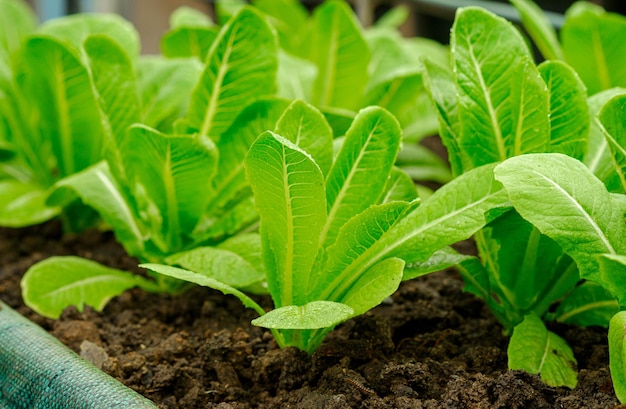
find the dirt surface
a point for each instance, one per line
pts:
(430, 346)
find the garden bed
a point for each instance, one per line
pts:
(430, 346)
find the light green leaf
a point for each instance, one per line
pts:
(76, 28)
(114, 79)
(306, 127)
(205, 281)
(51, 285)
(376, 284)
(588, 304)
(332, 277)
(313, 315)
(536, 350)
(599, 156)
(229, 183)
(566, 202)
(227, 9)
(399, 187)
(442, 259)
(16, 21)
(172, 172)
(248, 247)
(290, 18)
(503, 103)
(295, 77)
(241, 67)
(185, 41)
(24, 204)
(289, 194)
(539, 28)
(61, 89)
(341, 55)
(593, 46)
(613, 275)
(442, 88)
(189, 17)
(612, 120)
(569, 113)
(164, 88)
(453, 213)
(617, 354)
(361, 169)
(98, 189)
(218, 264)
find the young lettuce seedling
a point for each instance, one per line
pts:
(335, 242)
(495, 103)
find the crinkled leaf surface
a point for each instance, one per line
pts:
(536, 350)
(114, 78)
(569, 112)
(173, 173)
(306, 127)
(222, 265)
(241, 67)
(289, 194)
(341, 55)
(51, 285)
(503, 103)
(441, 85)
(361, 169)
(62, 93)
(332, 279)
(313, 315)
(593, 46)
(453, 213)
(229, 183)
(565, 201)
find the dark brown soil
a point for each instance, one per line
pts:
(430, 346)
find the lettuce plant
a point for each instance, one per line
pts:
(163, 193)
(336, 234)
(62, 104)
(327, 59)
(495, 103)
(566, 201)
